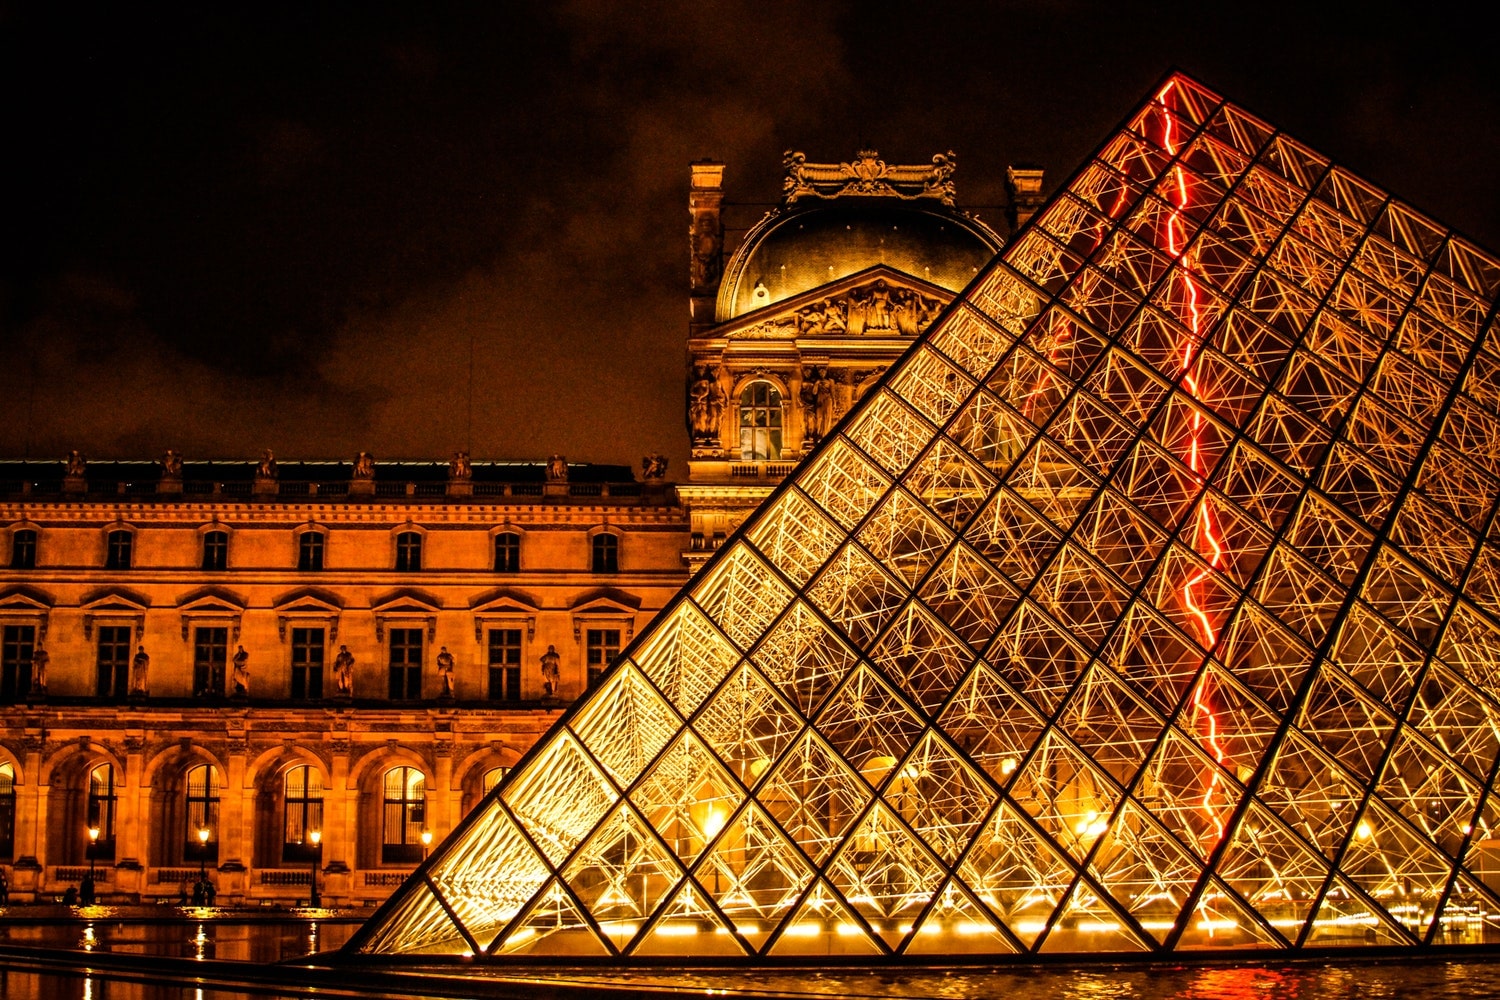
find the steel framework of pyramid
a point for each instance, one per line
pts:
(1151, 603)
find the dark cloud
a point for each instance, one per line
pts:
(230, 230)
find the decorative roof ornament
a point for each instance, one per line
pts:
(1149, 604)
(868, 176)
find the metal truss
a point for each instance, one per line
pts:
(1151, 604)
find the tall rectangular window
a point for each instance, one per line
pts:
(408, 552)
(23, 549)
(602, 646)
(505, 664)
(406, 664)
(508, 552)
(216, 550)
(15, 661)
(302, 813)
(307, 663)
(113, 674)
(118, 550)
(606, 554)
(210, 655)
(310, 550)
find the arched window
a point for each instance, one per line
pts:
(202, 814)
(310, 551)
(405, 811)
(493, 777)
(760, 422)
(23, 549)
(101, 810)
(606, 552)
(302, 813)
(216, 550)
(508, 552)
(7, 811)
(118, 550)
(408, 552)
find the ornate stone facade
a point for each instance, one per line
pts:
(135, 599)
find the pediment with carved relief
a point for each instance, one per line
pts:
(879, 301)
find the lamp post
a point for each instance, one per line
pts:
(203, 855)
(426, 843)
(316, 836)
(93, 843)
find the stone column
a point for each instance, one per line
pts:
(340, 851)
(31, 825)
(442, 799)
(706, 241)
(236, 826)
(132, 827)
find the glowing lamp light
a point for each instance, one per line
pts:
(804, 929)
(1008, 766)
(677, 930)
(1363, 831)
(203, 836)
(316, 837)
(426, 838)
(93, 835)
(713, 824)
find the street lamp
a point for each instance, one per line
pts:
(316, 836)
(203, 856)
(93, 843)
(426, 843)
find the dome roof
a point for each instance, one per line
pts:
(792, 251)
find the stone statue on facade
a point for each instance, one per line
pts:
(818, 404)
(705, 246)
(445, 672)
(240, 678)
(267, 467)
(460, 470)
(906, 312)
(654, 467)
(39, 660)
(171, 464)
(76, 466)
(557, 469)
(551, 672)
(698, 405)
(343, 673)
(878, 307)
(140, 673)
(364, 466)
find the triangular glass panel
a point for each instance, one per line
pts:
(814, 796)
(1147, 872)
(1088, 924)
(1220, 921)
(626, 724)
(940, 796)
(795, 536)
(992, 724)
(621, 874)
(553, 925)
(1348, 920)
(1017, 873)
(688, 928)
(687, 797)
(957, 925)
(559, 795)
(755, 874)
(885, 874)
(823, 925)
(748, 725)
(1274, 870)
(686, 656)
(418, 925)
(803, 657)
(869, 724)
(488, 874)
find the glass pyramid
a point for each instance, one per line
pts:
(1152, 603)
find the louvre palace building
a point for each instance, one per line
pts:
(264, 667)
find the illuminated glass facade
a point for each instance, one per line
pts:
(1151, 603)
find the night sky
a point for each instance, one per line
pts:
(227, 229)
